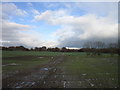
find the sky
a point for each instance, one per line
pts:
(58, 24)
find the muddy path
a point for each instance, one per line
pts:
(43, 76)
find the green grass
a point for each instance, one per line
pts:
(104, 68)
(91, 64)
(25, 63)
(24, 53)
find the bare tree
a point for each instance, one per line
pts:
(87, 46)
(98, 45)
(113, 48)
(93, 48)
(64, 49)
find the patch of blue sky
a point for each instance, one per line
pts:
(22, 20)
(46, 30)
(78, 12)
(22, 5)
(41, 27)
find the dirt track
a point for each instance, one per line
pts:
(45, 76)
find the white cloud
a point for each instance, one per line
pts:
(10, 9)
(50, 16)
(76, 30)
(35, 12)
(18, 34)
(11, 31)
(43, 16)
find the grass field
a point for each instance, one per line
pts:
(25, 59)
(90, 71)
(99, 71)
(24, 53)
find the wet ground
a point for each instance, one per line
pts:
(50, 75)
(47, 75)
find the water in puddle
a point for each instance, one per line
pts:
(40, 57)
(18, 87)
(45, 69)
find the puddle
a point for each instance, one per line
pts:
(18, 87)
(33, 83)
(45, 69)
(54, 70)
(84, 74)
(52, 57)
(63, 76)
(91, 84)
(64, 84)
(44, 82)
(24, 84)
(11, 64)
(40, 57)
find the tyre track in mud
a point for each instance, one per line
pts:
(38, 78)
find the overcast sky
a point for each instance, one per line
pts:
(58, 24)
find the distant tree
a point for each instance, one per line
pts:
(31, 49)
(49, 49)
(20, 48)
(98, 46)
(80, 50)
(87, 47)
(4, 48)
(0, 47)
(11, 48)
(44, 48)
(63, 49)
(36, 49)
(57, 49)
(113, 48)
(93, 48)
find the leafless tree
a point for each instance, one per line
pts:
(113, 48)
(94, 48)
(87, 47)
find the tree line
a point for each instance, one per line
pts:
(91, 48)
(97, 48)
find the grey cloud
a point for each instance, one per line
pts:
(76, 42)
(76, 30)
